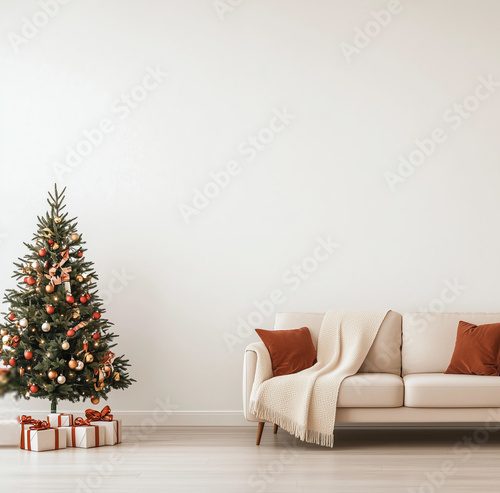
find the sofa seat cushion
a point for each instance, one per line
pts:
(371, 390)
(445, 390)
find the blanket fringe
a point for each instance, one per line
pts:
(302, 433)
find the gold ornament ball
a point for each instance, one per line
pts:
(75, 236)
(116, 377)
(79, 278)
(89, 358)
(65, 345)
(52, 374)
(58, 219)
(49, 288)
(95, 400)
(55, 246)
(72, 363)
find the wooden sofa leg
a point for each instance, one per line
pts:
(275, 429)
(260, 429)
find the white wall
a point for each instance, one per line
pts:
(322, 176)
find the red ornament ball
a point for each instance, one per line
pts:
(12, 362)
(70, 333)
(96, 336)
(50, 309)
(33, 389)
(50, 242)
(96, 315)
(79, 253)
(30, 281)
(70, 299)
(12, 317)
(42, 252)
(83, 299)
(28, 354)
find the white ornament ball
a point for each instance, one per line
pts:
(5, 339)
(61, 379)
(65, 345)
(79, 365)
(46, 327)
(23, 322)
(35, 264)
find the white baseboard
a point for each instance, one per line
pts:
(170, 418)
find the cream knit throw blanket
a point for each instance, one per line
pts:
(305, 403)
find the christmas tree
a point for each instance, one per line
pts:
(56, 343)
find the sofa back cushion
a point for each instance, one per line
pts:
(429, 339)
(383, 357)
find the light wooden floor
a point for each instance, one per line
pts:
(227, 460)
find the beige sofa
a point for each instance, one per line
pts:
(402, 380)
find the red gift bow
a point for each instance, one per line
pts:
(40, 425)
(81, 422)
(27, 420)
(104, 415)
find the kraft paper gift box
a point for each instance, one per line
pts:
(84, 436)
(9, 432)
(40, 440)
(56, 420)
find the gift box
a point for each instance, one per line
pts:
(56, 420)
(25, 422)
(9, 432)
(111, 429)
(83, 435)
(40, 437)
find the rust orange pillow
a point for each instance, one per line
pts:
(291, 350)
(477, 350)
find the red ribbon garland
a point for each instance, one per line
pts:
(104, 415)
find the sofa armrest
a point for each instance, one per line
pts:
(257, 368)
